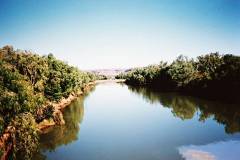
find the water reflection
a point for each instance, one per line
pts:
(185, 107)
(119, 129)
(62, 135)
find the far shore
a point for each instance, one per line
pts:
(110, 81)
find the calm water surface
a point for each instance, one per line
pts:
(118, 122)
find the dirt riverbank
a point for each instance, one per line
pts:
(6, 144)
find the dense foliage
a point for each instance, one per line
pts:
(25, 136)
(28, 82)
(211, 75)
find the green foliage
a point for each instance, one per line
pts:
(1, 125)
(27, 83)
(208, 64)
(181, 71)
(44, 113)
(208, 75)
(64, 79)
(101, 77)
(24, 135)
(142, 76)
(230, 68)
(17, 94)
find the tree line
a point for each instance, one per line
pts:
(211, 75)
(28, 82)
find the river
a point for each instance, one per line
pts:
(118, 122)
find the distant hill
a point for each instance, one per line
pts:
(111, 73)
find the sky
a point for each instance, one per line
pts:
(101, 34)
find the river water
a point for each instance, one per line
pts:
(118, 122)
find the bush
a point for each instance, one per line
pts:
(24, 135)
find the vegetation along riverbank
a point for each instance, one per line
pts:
(212, 76)
(34, 89)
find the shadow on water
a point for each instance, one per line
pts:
(185, 107)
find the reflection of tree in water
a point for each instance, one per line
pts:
(227, 114)
(182, 106)
(185, 107)
(62, 135)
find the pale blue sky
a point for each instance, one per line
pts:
(94, 34)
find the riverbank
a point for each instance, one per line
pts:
(59, 107)
(29, 83)
(110, 81)
(5, 140)
(213, 76)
